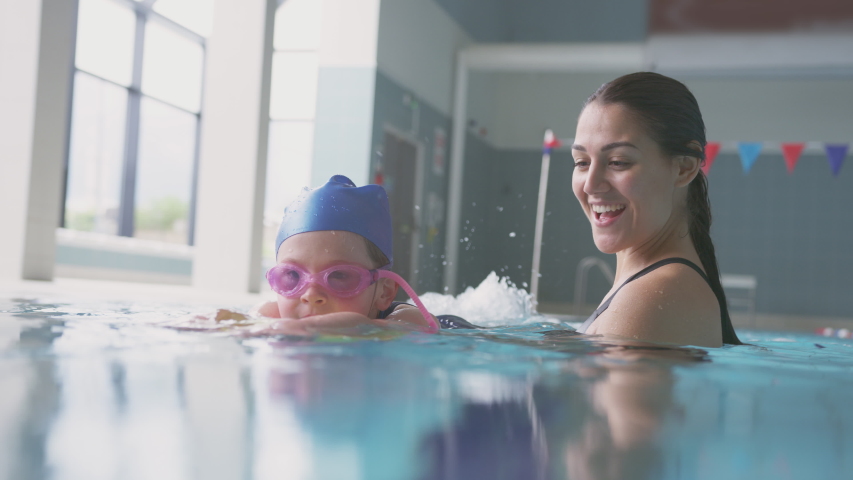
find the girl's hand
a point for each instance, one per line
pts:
(267, 309)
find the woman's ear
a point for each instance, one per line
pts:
(386, 291)
(688, 166)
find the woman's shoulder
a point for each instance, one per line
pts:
(672, 303)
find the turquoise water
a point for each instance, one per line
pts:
(114, 391)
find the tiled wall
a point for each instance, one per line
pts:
(389, 110)
(794, 232)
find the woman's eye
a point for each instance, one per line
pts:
(580, 163)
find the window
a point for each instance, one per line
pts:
(135, 115)
(293, 100)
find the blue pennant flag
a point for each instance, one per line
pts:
(835, 153)
(748, 154)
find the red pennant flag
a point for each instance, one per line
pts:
(792, 152)
(711, 151)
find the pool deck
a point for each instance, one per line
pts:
(101, 290)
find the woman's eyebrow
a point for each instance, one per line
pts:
(609, 146)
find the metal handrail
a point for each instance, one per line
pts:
(581, 277)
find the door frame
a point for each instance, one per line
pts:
(417, 214)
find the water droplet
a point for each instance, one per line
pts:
(512, 234)
(417, 207)
(465, 239)
(524, 284)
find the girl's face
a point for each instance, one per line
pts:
(317, 251)
(624, 183)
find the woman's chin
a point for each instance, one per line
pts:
(606, 245)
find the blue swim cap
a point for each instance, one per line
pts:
(340, 205)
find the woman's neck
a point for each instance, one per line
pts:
(672, 241)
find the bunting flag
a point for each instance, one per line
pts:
(836, 152)
(792, 152)
(711, 151)
(748, 154)
(550, 142)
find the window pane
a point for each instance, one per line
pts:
(172, 67)
(196, 15)
(294, 86)
(164, 172)
(96, 155)
(297, 25)
(288, 171)
(105, 33)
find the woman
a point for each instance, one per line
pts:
(638, 153)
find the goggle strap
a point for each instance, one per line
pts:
(433, 326)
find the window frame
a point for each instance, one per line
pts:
(144, 12)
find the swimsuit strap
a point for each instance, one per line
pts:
(601, 308)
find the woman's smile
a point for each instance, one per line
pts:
(606, 214)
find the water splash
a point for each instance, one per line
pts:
(495, 302)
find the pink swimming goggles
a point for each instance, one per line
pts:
(343, 281)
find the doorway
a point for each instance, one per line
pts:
(401, 172)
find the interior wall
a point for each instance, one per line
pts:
(417, 45)
(789, 230)
(390, 111)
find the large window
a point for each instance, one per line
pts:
(135, 117)
(293, 100)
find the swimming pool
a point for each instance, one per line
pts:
(106, 390)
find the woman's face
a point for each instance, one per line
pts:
(624, 183)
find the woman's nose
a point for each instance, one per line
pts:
(595, 180)
(314, 295)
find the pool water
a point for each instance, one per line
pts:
(106, 390)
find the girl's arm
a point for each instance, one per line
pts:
(408, 317)
(267, 309)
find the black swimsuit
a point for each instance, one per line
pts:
(446, 321)
(598, 311)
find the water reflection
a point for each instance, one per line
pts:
(107, 392)
(599, 417)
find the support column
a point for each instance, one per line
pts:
(37, 39)
(346, 90)
(233, 150)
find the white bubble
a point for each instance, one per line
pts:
(496, 301)
(512, 234)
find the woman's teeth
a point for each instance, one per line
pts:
(606, 208)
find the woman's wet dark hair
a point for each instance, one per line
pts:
(672, 118)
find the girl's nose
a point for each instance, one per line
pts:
(314, 295)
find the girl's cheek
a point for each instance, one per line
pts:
(286, 307)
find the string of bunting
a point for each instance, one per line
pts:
(836, 153)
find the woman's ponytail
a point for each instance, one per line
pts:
(699, 208)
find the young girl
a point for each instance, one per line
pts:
(333, 252)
